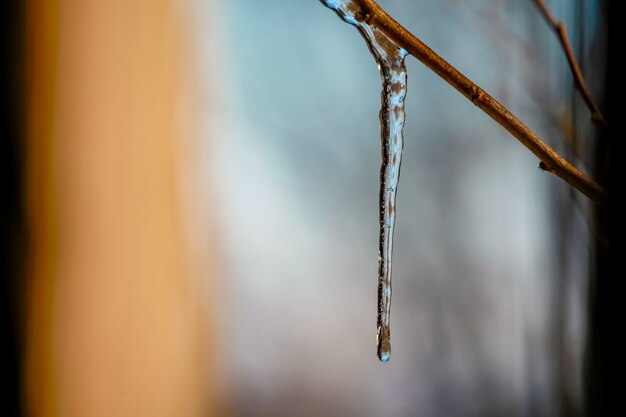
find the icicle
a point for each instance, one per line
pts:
(390, 59)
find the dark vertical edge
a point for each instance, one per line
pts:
(604, 378)
(12, 225)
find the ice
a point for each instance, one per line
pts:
(390, 59)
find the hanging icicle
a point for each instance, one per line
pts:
(390, 59)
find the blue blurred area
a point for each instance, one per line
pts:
(477, 241)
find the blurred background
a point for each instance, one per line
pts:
(190, 196)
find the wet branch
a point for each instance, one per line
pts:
(551, 161)
(579, 79)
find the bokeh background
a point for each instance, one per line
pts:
(193, 227)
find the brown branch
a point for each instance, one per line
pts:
(579, 79)
(550, 160)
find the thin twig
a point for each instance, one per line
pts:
(579, 79)
(550, 160)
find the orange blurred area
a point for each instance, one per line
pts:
(118, 320)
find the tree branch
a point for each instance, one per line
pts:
(579, 79)
(551, 161)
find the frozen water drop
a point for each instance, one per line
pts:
(383, 346)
